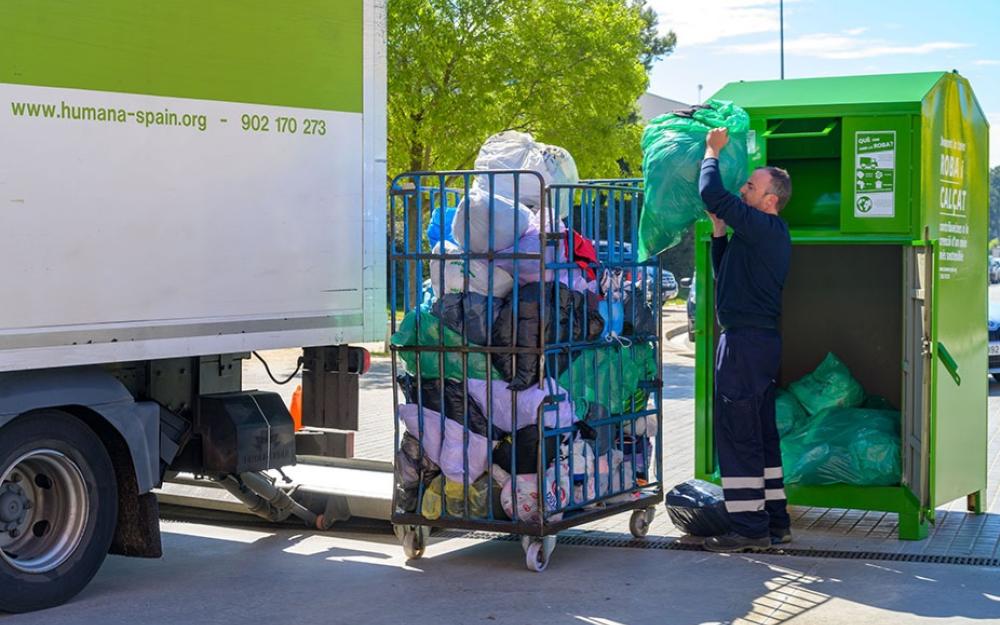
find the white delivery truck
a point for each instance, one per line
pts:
(181, 183)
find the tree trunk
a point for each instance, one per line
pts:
(414, 268)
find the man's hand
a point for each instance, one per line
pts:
(717, 139)
(718, 225)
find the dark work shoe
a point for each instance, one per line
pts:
(781, 536)
(731, 542)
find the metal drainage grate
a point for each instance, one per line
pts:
(665, 543)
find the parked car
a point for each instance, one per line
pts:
(688, 283)
(668, 283)
(993, 349)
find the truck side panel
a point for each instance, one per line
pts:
(188, 182)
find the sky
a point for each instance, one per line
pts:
(720, 41)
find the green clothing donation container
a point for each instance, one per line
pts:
(888, 220)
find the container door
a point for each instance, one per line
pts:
(955, 191)
(917, 372)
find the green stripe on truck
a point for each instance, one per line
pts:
(306, 53)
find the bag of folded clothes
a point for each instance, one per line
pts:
(698, 508)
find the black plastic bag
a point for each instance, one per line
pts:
(527, 451)
(698, 508)
(571, 310)
(467, 314)
(454, 402)
(411, 468)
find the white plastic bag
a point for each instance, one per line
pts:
(454, 275)
(505, 213)
(518, 150)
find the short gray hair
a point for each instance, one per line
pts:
(781, 185)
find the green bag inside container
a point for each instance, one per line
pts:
(788, 411)
(610, 377)
(429, 334)
(673, 146)
(830, 385)
(858, 446)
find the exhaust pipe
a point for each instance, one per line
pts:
(266, 500)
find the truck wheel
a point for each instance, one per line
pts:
(58, 509)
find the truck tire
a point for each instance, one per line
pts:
(58, 509)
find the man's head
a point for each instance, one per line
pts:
(768, 189)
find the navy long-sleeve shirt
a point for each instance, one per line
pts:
(751, 267)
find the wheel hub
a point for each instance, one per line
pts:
(13, 505)
(43, 511)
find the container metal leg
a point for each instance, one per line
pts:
(974, 502)
(912, 525)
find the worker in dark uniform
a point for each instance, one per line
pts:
(750, 269)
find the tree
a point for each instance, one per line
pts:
(995, 202)
(567, 71)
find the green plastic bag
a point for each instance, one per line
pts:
(858, 446)
(830, 385)
(673, 146)
(789, 413)
(430, 328)
(610, 377)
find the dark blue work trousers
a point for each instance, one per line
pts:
(746, 434)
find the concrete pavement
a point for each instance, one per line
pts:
(240, 575)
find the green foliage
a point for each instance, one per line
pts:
(567, 71)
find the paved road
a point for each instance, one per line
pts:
(226, 575)
(215, 575)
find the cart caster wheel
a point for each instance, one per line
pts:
(414, 539)
(640, 522)
(535, 557)
(538, 552)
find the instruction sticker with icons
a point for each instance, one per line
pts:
(875, 173)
